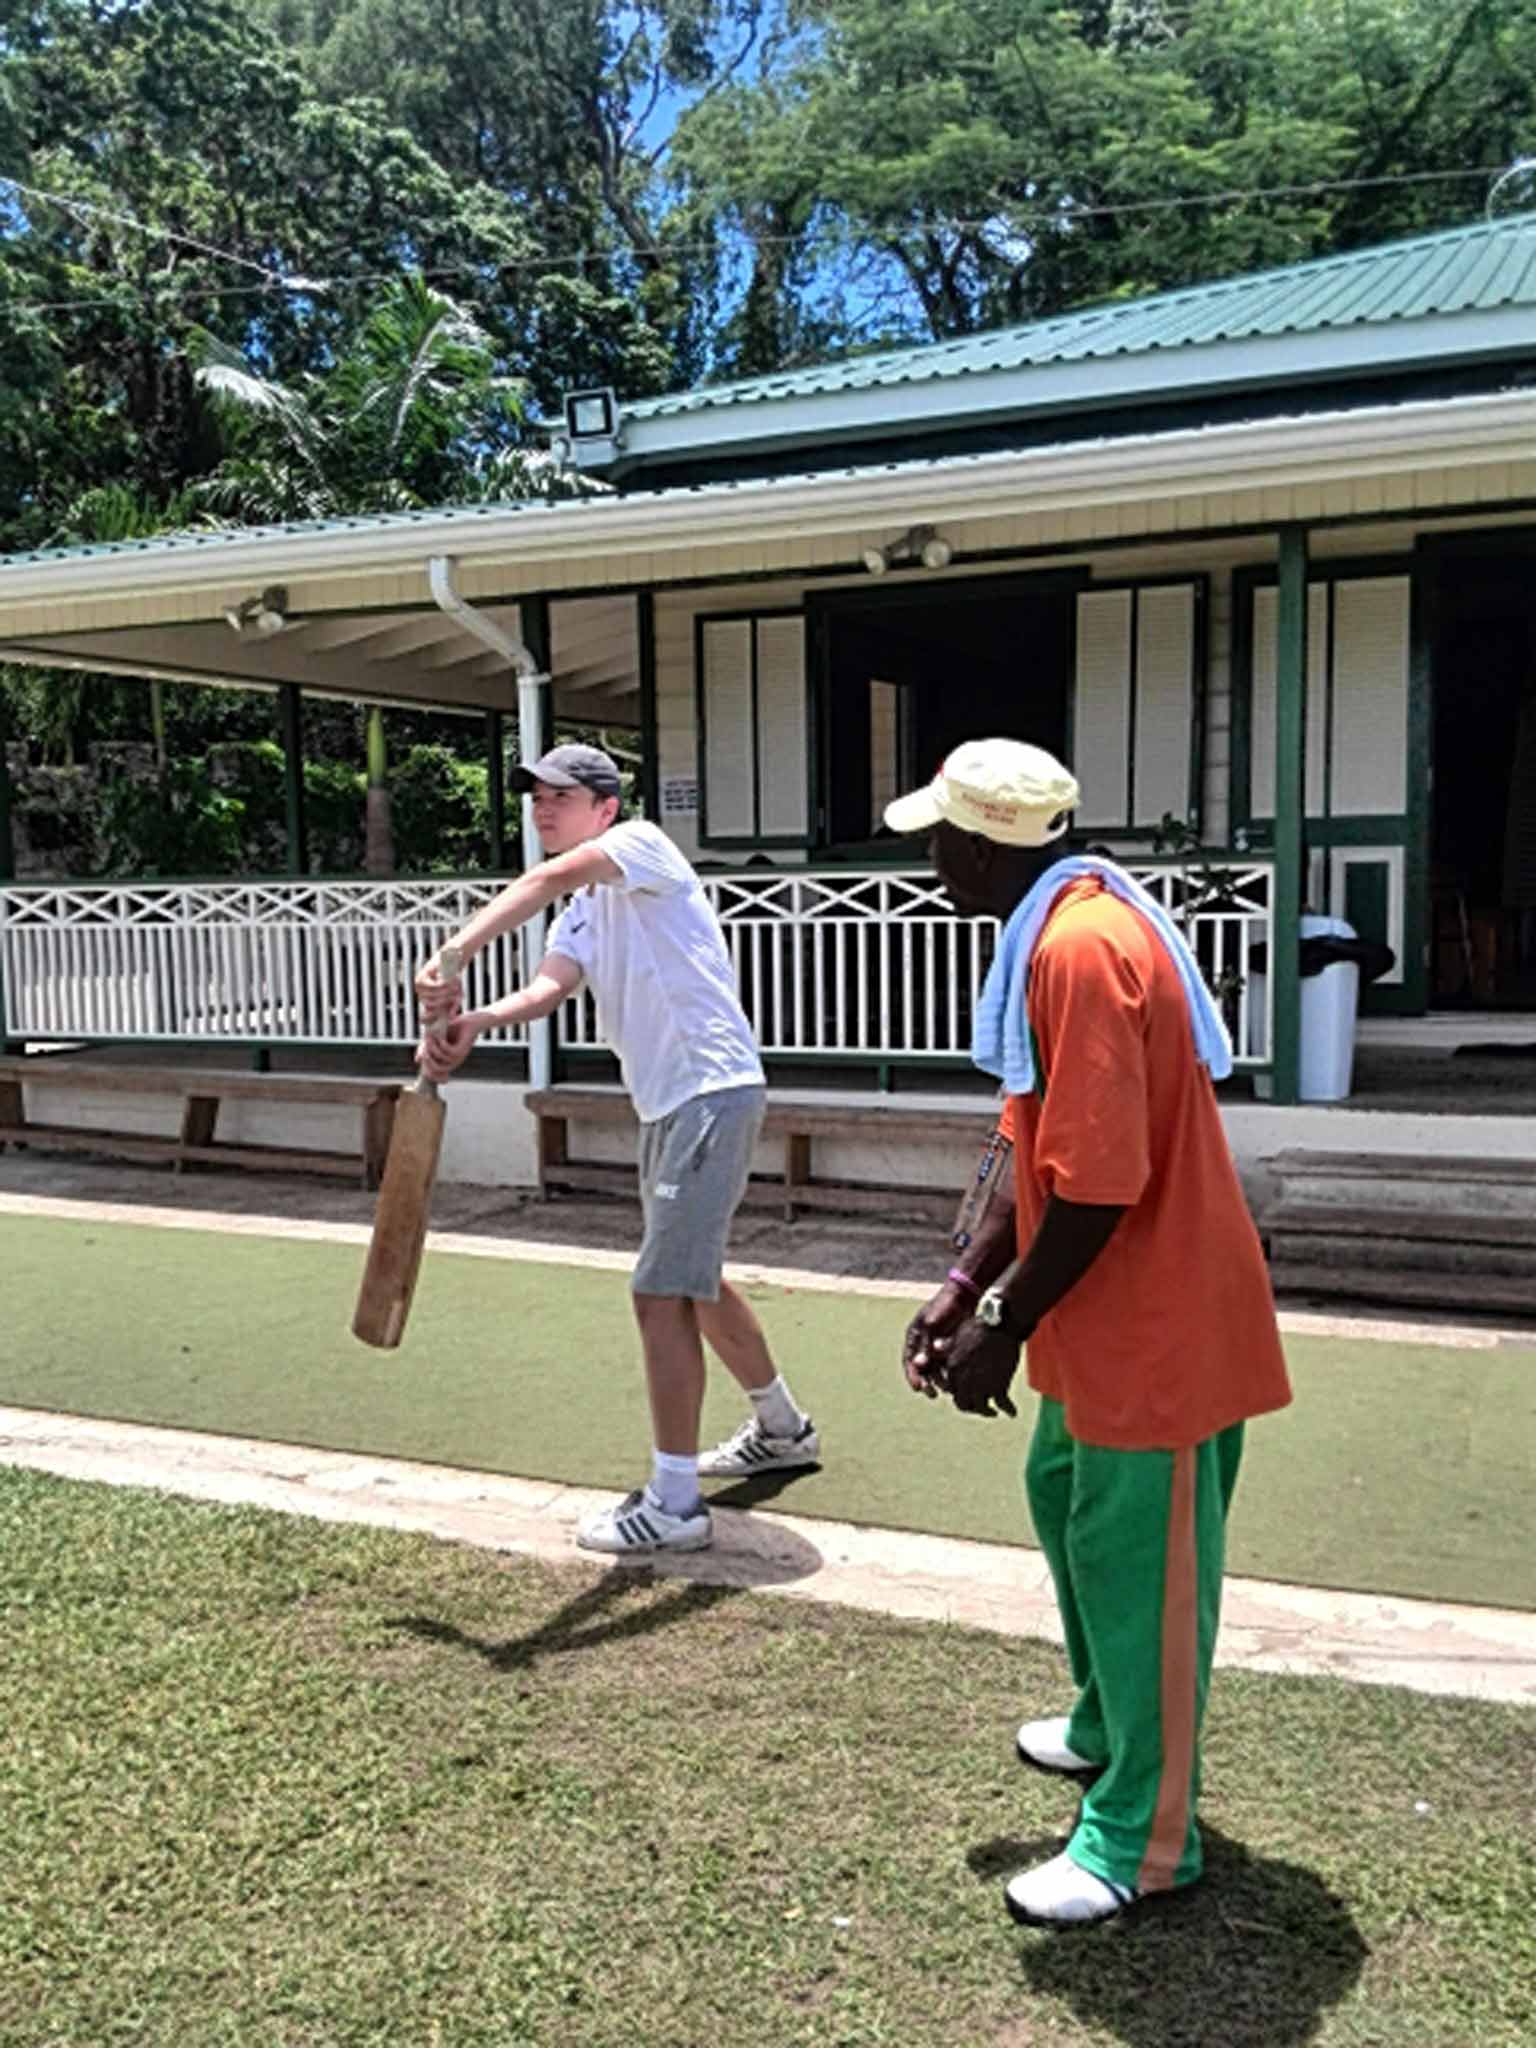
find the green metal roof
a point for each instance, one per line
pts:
(1482, 268)
(210, 539)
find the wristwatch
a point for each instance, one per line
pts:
(993, 1310)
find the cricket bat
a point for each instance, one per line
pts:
(405, 1202)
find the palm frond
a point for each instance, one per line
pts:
(227, 377)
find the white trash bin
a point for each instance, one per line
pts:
(1329, 1003)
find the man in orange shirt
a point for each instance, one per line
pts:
(1128, 1262)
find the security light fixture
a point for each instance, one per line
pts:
(591, 415)
(919, 546)
(266, 614)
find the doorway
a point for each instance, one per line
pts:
(1483, 801)
(908, 675)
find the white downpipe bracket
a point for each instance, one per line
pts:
(532, 741)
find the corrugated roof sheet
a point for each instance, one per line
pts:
(209, 540)
(622, 500)
(1460, 270)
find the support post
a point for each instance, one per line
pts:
(291, 712)
(496, 787)
(533, 738)
(7, 843)
(1290, 813)
(650, 765)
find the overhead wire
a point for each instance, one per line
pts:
(1006, 218)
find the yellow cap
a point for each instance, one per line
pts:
(1017, 794)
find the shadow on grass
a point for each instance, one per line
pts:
(1253, 1957)
(578, 1625)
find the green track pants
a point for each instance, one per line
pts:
(1135, 1541)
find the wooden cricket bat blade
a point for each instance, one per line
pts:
(400, 1221)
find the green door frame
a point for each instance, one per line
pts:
(1408, 829)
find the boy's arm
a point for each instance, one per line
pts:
(558, 977)
(513, 906)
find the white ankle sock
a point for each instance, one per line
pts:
(775, 1408)
(674, 1482)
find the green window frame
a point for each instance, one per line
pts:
(752, 699)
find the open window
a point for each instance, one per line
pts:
(907, 673)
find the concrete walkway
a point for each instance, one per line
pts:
(1475, 1652)
(1480, 1653)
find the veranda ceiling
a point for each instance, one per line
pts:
(362, 623)
(400, 655)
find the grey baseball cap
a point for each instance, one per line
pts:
(572, 767)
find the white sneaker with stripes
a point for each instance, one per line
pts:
(752, 1449)
(638, 1525)
(1062, 1894)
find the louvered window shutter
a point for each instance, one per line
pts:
(783, 782)
(1266, 613)
(1165, 694)
(756, 760)
(1133, 704)
(1101, 713)
(729, 743)
(1370, 696)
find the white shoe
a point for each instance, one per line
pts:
(752, 1450)
(1062, 1894)
(638, 1525)
(1044, 1744)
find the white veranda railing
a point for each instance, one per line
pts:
(875, 963)
(315, 962)
(869, 963)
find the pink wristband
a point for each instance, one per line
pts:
(964, 1281)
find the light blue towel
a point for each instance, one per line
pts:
(1001, 1042)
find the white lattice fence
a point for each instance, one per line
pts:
(303, 961)
(876, 963)
(849, 962)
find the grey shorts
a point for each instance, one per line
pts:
(693, 1171)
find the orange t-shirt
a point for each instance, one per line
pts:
(1170, 1335)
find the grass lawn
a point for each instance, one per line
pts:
(268, 1781)
(1399, 1469)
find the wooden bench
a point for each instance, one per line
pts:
(200, 1091)
(797, 1125)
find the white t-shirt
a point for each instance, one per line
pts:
(650, 948)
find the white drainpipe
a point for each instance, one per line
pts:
(532, 741)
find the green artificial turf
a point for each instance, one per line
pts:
(270, 1784)
(1399, 1469)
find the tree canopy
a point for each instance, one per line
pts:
(950, 165)
(650, 192)
(273, 257)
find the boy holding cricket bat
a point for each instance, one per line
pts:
(640, 932)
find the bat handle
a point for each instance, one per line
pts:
(450, 964)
